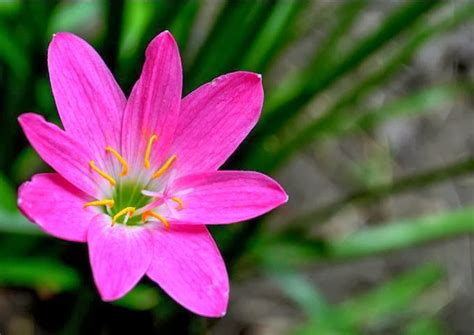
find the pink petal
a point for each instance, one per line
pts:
(226, 196)
(56, 206)
(153, 105)
(119, 256)
(89, 100)
(214, 120)
(62, 152)
(188, 266)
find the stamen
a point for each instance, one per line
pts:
(156, 216)
(120, 159)
(165, 167)
(179, 202)
(127, 210)
(106, 202)
(148, 151)
(102, 173)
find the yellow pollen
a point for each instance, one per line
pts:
(106, 202)
(156, 216)
(102, 173)
(165, 167)
(120, 159)
(127, 210)
(179, 202)
(148, 151)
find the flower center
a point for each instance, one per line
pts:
(131, 204)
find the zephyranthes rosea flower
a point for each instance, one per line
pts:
(137, 179)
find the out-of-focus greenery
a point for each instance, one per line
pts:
(246, 35)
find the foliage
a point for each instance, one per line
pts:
(247, 35)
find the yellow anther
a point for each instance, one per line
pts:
(148, 151)
(106, 202)
(120, 159)
(102, 173)
(179, 202)
(156, 216)
(164, 167)
(127, 210)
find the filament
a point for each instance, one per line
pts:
(106, 202)
(148, 151)
(127, 210)
(110, 179)
(164, 167)
(179, 202)
(156, 216)
(120, 159)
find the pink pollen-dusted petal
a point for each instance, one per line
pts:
(188, 266)
(89, 100)
(226, 196)
(119, 256)
(214, 120)
(62, 152)
(153, 106)
(56, 206)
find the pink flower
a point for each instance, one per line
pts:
(137, 179)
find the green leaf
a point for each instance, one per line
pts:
(403, 234)
(314, 83)
(381, 191)
(13, 53)
(40, 274)
(291, 86)
(267, 157)
(393, 297)
(73, 16)
(271, 35)
(415, 104)
(15, 222)
(300, 290)
(7, 195)
(140, 298)
(215, 55)
(424, 327)
(323, 318)
(182, 24)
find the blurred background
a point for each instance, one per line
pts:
(368, 123)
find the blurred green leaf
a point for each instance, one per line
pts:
(182, 24)
(271, 35)
(300, 290)
(323, 318)
(137, 17)
(156, 17)
(268, 157)
(387, 301)
(290, 249)
(381, 191)
(291, 86)
(391, 298)
(424, 327)
(415, 104)
(26, 164)
(15, 222)
(215, 56)
(394, 24)
(47, 276)
(13, 53)
(403, 233)
(73, 16)
(9, 7)
(140, 298)
(7, 195)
